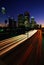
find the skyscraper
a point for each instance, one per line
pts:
(12, 23)
(32, 20)
(27, 19)
(20, 20)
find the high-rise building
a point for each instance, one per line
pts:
(26, 19)
(20, 20)
(32, 20)
(15, 25)
(12, 22)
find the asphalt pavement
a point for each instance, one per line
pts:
(27, 52)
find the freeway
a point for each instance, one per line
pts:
(10, 43)
(33, 54)
(27, 53)
(8, 46)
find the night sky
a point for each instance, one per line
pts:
(15, 7)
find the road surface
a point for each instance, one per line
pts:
(27, 53)
(10, 43)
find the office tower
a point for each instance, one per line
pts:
(20, 20)
(32, 22)
(27, 19)
(12, 22)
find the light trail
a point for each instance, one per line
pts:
(10, 40)
(11, 43)
(39, 49)
(24, 54)
(13, 40)
(8, 44)
(28, 51)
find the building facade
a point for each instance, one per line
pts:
(12, 22)
(20, 20)
(27, 19)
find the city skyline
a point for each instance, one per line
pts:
(16, 7)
